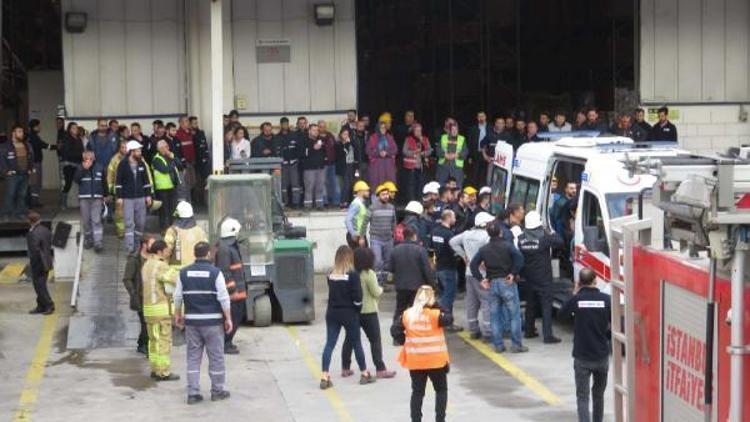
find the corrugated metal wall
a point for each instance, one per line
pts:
(129, 61)
(695, 50)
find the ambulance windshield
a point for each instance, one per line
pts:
(622, 204)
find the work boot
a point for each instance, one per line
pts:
(345, 373)
(552, 340)
(220, 395)
(170, 377)
(49, 311)
(519, 349)
(231, 349)
(367, 378)
(193, 399)
(386, 374)
(454, 328)
(36, 310)
(475, 336)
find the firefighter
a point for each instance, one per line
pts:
(119, 217)
(156, 275)
(591, 331)
(182, 236)
(356, 216)
(229, 261)
(425, 352)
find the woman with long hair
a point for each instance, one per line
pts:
(240, 146)
(364, 261)
(425, 352)
(344, 305)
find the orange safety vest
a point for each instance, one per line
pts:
(425, 346)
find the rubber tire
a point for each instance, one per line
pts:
(263, 311)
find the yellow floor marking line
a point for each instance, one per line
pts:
(524, 378)
(12, 272)
(35, 373)
(312, 364)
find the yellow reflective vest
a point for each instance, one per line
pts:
(460, 140)
(156, 273)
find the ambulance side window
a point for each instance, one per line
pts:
(594, 235)
(524, 191)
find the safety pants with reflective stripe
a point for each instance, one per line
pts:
(159, 310)
(159, 345)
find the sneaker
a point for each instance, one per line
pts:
(326, 384)
(386, 374)
(367, 378)
(454, 328)
(519, 349)
(170, 377)
(193, 399)
(475, 336)
(552, 340)
(220, 395)
(345, 373)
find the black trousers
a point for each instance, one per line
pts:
(143, 335)
(404, 300)
(371, 326)
(538, 297)
(43, 299)
(439, 379)
(168, 198)
(238, 310)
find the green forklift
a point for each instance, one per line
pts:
(278, 260)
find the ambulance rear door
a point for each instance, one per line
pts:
(502, 168)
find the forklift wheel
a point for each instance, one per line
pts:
(263, 311)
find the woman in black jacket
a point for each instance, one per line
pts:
(344, 304)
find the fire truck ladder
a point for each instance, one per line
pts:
(703, 192)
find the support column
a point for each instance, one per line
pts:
(217, 87)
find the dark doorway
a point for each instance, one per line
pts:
(455, 57)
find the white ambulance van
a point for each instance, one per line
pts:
(605, 190)
(502, 166)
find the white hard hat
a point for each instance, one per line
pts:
(414, 207)
(483, 218)
(485, 190)
(131, 145)
(533, 220)
(431, 187)
(184, 209)
(230, 228)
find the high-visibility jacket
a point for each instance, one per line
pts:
(181, 243)
(112, 172)
(156, 273)
(425, 346)
(164, 180)
(460, 140)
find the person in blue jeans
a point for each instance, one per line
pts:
(446, 263)
(344, 306)
(502, 262)
(16, 163)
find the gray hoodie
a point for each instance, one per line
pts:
(467, 244)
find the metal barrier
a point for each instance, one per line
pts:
(77, 278)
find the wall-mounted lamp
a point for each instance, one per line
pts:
(75, 22)
(324, 14)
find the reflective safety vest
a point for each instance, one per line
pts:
(360, 218)
(181, 244)
(459, 147)
(425, 346)
(163, 181)
(156, 274)
(199, 294)
(112, 172)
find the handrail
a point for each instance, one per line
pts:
(77, 277)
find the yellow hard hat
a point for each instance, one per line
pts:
(469, 190)
(385, 117)
(360, 186)
(380, 188)
(390, 186)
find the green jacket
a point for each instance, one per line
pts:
(371, 291)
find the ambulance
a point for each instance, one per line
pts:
(499, 179)
(604, 188)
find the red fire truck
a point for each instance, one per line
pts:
(679, 334)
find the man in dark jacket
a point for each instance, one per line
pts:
(103, 142)
(445, 258)
(133, 282)
(133, 191)
(16, 163)
(410, 267)
(166, 182)
(229, 261)
(477, 166)
(535, 244)
(640, 120)
(503, 263)
(91, 192)
(38, 145)
(39, 247)
(663, 130)
(202, 161)
(314, 165)
(289, 147)
(591, 332)
(263, 145)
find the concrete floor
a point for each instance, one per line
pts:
(273, 379)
